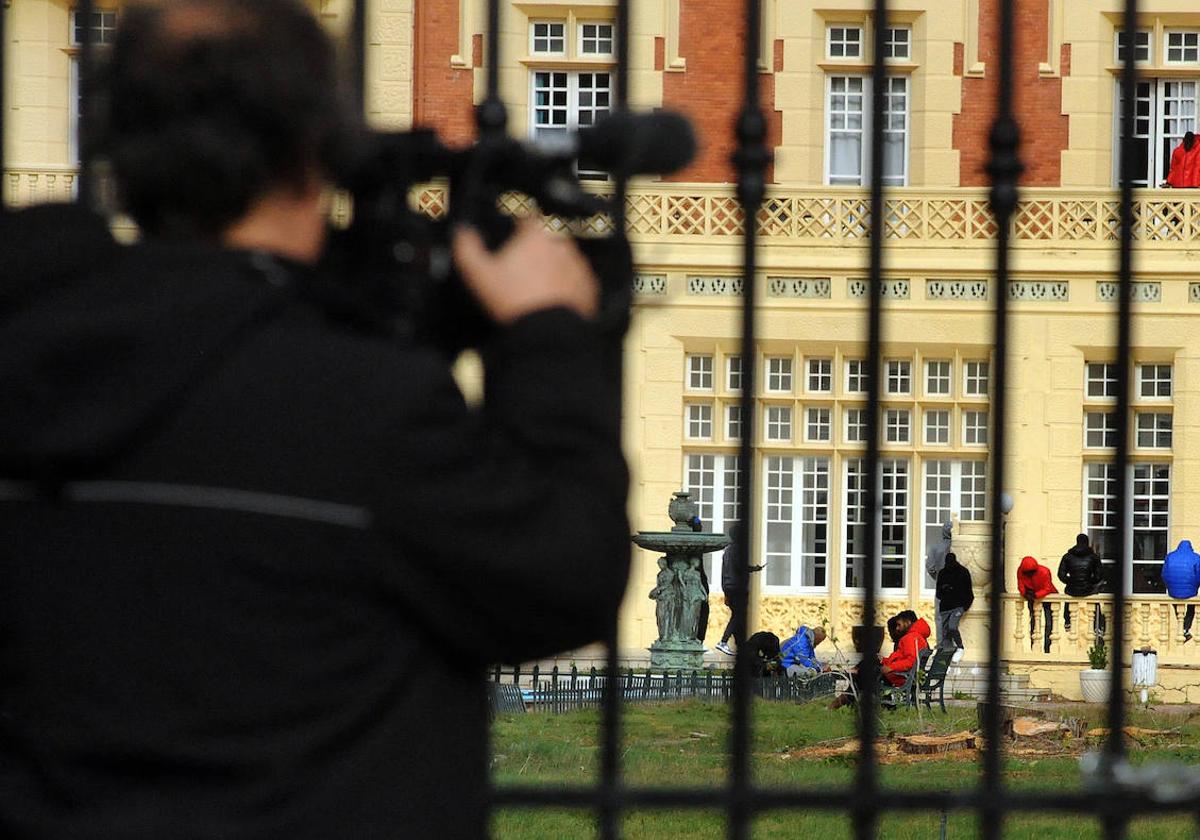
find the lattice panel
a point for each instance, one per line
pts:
(1079, 221)
(432, 202)
(1039, 290)
(816, 218)
(650, 284)
(1165, 221)
(775, 217)
(644, 214)
(799, 287)
(902, 219)
(858, 287)
(854, 217)
(727, 218)
(956, 290)
(946, 219)
(982, 222)
(1034, 220)
(1140, 292)
(712, 285)
(686, 215)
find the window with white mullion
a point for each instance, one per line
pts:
(844, 41)
(1142, 50)
(565, 100)
(713, 483)
(892, 525)
(952, 489)
(1154, 381)
(548, 37)
(778, 425)
(1100, 509)
(595, 38)
(779, 374)
(1100, 429)
(551, 102)
(698, 421)
(856, 376)
(1154, 430)
(856, 426)
(848, 124)
(897, 43)
(733, 422)
(937, 378)
(1182, 46)
(103, 27)
(700, 372)
(1151, 498)
(1164, 110)
(820, 376)
(733, 374)
(796, 526)
(937, 427)
(1177, 99)
(818, 427)
(1100, 380)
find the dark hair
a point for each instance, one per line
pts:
(205, 105)
(908, 615)
(893, 628)
(1189, 140)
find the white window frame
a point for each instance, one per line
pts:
(103, 35)
(697, 415)
(698, 373)
(778, 417)
(845, 41)
(946, 379)
(823, 420)
(533, 37)
(897, 426)
(864, 119)
(823, 373)
(722, 472)
(733, 422)
(1155, 381)
(890, 43)
(861, 375)
(851, 518)
(969, 377)
(1161, 434)
(1102, 423)
(1158, 122)
(1107, 379)
(966, 428)
(953, 475)
(774, 379)
(574, 110)
(903, 372)
(1137, 46)
(1141, 516)
(733, 374)
(793, 489)
(850, 414)
(581, 39)
(944, 428)
(1185, 35)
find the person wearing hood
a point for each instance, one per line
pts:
(894, 668)
(955, 594)
(799, 652)
(1082, 572)
(258, 551)
(1184, 170)
(1033, 584)
(1181, 574)
(731, 586)
(935, 560)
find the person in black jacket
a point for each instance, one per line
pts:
(955, 595)
(257, 551)
(1082, 572)
(731, 586)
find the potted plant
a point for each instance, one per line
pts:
(1094, 682)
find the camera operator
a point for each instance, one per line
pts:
(257, 552)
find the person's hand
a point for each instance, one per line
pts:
(885, 669)
(533, 270)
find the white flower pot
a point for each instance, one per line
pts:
(1094, 685)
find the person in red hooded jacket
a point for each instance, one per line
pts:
(894, 667)
(1034, 583)
(1185, 163)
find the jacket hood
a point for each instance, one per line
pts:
(99, 343)
(1080, 550)
(921, 628)
(1028, 565)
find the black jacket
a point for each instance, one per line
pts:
(255, 557)
(1081, 570)
(954, 589)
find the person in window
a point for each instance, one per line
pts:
(955, 595)
(258, 550)
(1185, 164)
(894, 668)
(1034, 583)
(1082, 573)
(730, 585)
(1181, 574)
(799, 651)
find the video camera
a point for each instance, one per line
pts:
(400, 258)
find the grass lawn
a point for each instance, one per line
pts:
(686, 743)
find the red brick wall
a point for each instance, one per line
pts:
(442, 95)
(1037, 101)
(709, 92)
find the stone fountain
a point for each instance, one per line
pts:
(679, 594)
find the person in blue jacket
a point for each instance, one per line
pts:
(799, 652)
(1181, 574)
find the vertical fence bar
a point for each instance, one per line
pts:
(866, 813)
(87, 63)
(1005, 168)
(358, 58)
(491, 117)
(1115, 822)
(750, 160)
(3, 100)
(609, 805)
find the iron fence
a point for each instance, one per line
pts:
(1115, 792)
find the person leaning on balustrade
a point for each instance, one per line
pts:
(1184, 170)
(1033, 584)
(1181, 575)
(257, 549)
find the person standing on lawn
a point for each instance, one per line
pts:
(955, 595)
(730, 586)
(1033, 584)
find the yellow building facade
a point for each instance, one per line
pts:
(683, 359)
